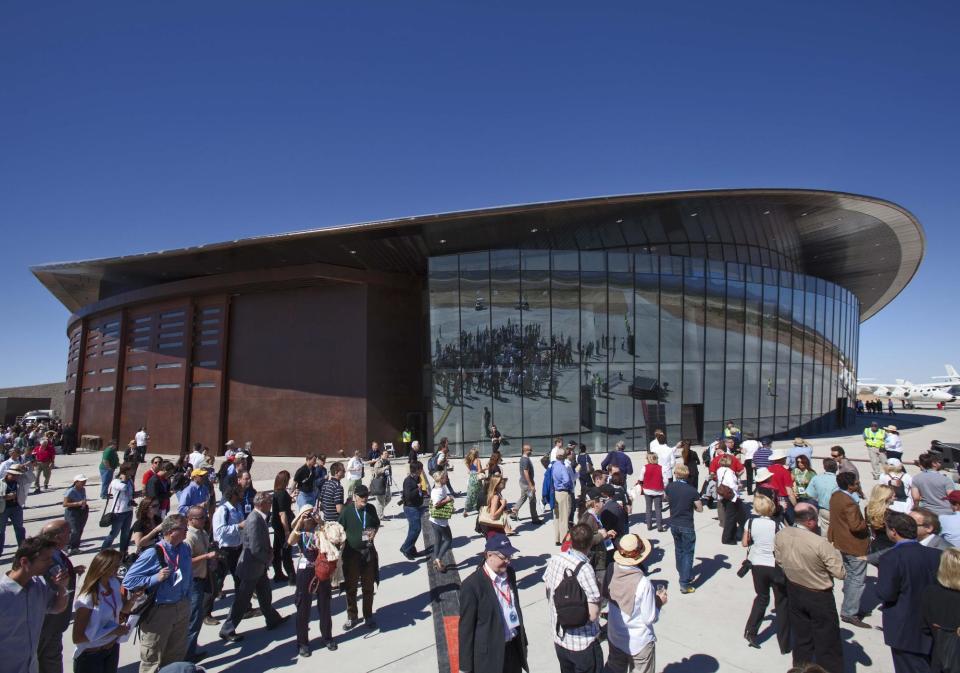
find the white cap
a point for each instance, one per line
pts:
(79, 477)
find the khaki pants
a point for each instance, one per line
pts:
(643, 661)
(824, 521)
(561, 515)
(876, 461)
(163, 636)
(42, 469)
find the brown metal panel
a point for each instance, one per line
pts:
(297, 369)
(207, 364)
(98, 378)
(71, 402)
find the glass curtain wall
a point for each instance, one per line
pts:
(608, 345)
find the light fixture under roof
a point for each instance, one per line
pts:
(803, 214)
(534, 230)
(766, 212)
(693, 214)
(443, 240)
(620, 221)
(353, 252)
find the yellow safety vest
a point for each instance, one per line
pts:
(875, 439)
(727, 432)
(407, 437)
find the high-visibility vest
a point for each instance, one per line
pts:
(875, 439)
(727, 432)
(407, 436)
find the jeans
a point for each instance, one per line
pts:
(77, 518)
(654, 508)
(120, 526)
(15, 515)
(414, 525)
(684, 543)
(106, 476)
(853, 585)
(197, 593)
(306, 499)
(444, 541)
(103, 661)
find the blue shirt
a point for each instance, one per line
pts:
(226, 525)
(761, 457)
(950, 528)
(563, 476)
(620, 459)
(194, 494)
(142, 574)
(821, 487)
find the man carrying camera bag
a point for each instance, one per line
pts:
(360, 563)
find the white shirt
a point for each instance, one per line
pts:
(122, 492)
(728, 477)
(196, 459)
(667, 458)
(892, 442)
(501, 587)
(581, 638)
(141, 438)
(355, 469)
(900, 506)
(104, 616)
(748, 448)
(762, 532)
(630, 627)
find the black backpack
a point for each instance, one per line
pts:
(433, 463)
(570, 601)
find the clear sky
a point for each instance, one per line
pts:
(131, 127)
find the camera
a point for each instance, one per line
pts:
(745, 567)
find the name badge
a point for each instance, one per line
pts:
(177, 577)
(513, 619)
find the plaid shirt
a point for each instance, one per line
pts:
(580, 638)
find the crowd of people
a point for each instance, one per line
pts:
(174, 534)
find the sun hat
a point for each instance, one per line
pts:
(500, 543)
(762, 475)
(306, 509)
(79, 477)
(15, 469)
(799, 441)
(230, 442)
(198, 473)
(632, 550)
(891, 428)
(777, 454)
(894, 462)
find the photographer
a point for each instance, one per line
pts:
(360, 563)
(306, 536)
(759, 538)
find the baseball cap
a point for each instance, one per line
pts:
(594, 494)
(198, 473)
(500, 544)
(79, 477)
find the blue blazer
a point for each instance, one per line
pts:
(904, 572)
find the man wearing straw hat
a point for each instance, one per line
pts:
(634, 607)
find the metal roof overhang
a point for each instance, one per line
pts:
(870, 246)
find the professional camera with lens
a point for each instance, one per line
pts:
(745, 567)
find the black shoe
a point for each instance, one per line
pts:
(231, 637)
(292, 582)
(331, 645)
(350, 623)
(751, 639)
(304, 651)
(251, 613)
(856, 621)
(279, 622)
(371, 623)
(663, 529)
(537, 522)
(280, 579)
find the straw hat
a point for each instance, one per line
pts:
(762, 475)
(305, 510)
(891, 428)
(632, 550)
(15, 469)
(778, 454)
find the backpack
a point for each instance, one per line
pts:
(144, 605)
(179, 481)
(433, 463)
(570, 602)
(545, 460)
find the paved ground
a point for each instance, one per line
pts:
(698, 633)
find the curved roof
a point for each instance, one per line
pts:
(868, 245)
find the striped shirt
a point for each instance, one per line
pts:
(331, 495)
(580, 638)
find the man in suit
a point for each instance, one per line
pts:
(850, 535)
(903, 573)
(255, 558)
(928, 529)
(491, 633)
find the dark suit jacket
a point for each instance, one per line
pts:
(903, 573)
(481, 624)
(257, 553)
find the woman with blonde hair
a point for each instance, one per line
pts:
(758, 538)
(940, 609)
(474, 469)
(496, 506)
(100, 615)
(881, 497)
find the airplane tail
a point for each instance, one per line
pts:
(951, 372)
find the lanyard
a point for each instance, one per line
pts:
(507, 595)
(363, 521)
(173, 566)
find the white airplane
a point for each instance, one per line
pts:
(905, 391)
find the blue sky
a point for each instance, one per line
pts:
(130, 127)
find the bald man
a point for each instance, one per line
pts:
(50, 643)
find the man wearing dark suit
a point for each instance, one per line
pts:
(491, 633)
(904, 572)
(255, 558)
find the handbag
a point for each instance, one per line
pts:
(724, 492)
(484, 519)
(378, 485)
(106, 518)
(441, 512)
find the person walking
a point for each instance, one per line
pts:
(653, 493)
(120, 508)
(109, 461)
(940, 610)
(634, 608)
(354, 473)
(44, 456)
(166, 570)
(684, 500)
(228, 525)
(308, 535)
(850, 534)
(201, 557)
(528, 487)
(361, 564)
(304, 482)
(903, 574)
(412, 500)
(255, 559)
(441, 509)
(99, 605)
(563, 480)
(819, 490)
(50, 643)
(13, 489)
(381, 482)
(490, 633)
(474, 486)
(76, 510)
(873, 438)
(331, 493)
(810, 564)
(577, 645)
(759, 539)
(281, 518)
(141, 438)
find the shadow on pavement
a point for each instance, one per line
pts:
(853, 653)
(709, 567)
(697, 663)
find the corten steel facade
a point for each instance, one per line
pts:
(597, 319)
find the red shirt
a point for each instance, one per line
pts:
(44, 454)
(653, 477)
(735, 464)
(146, 476)
(781, 479)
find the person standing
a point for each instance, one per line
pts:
(50, 645)
(838, 454)
(928, 529)
(563, 480)
(653, 485)
(490, 633)
(810, 564)
(619, 459)
(759, 539)
(197, 492)
(748, 448)
(98, 606)
(76, 510)
(684, 500)
(354, 473)
(255, 558)
(44, 454)
(158, 487)
(306, 535)
(121, 508)
(892, 444)
(331, 493)
(361, 565)
(281, 518)
(821, 488)
(850, 535)
(873, 438)
(228, 525)
(474, 487)
(930, 487)
(381, 482)
(166, 570)
(412, 499)
(201, 556)
(141, 438)
(27, 595)
(950, 523)
(903, 573)
(528, 487)
(940, 609)
(577, 646)
(13, 490)
(109, 461)
(732, 512)
(304, 482)
(634, 608)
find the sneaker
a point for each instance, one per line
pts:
(350, 623)
(210, 621)
(331, 645)
(687, 590)
(304, 651)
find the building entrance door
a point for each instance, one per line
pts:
(841, 412)
(691, 423)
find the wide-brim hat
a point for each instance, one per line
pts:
(306, 509)
(799, 441)
(891, 428)
(762, 475)
(198, 473)
(230, 442)
(632, 550)
(15, 469)
(778, 454)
